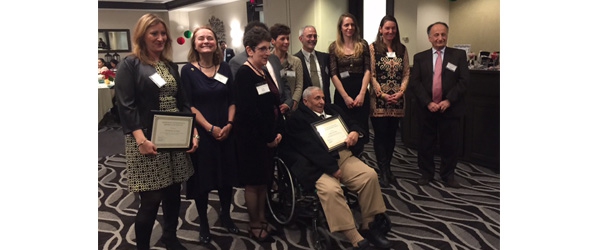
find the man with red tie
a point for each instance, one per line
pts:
(438, 79)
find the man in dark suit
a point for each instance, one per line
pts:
(228, 53)
(308, 37)
(324, 170)
(438, 79)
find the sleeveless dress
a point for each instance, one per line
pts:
(146, 173)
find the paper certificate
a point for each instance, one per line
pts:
(172, 130)
(332, 132)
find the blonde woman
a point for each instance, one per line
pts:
(350, 72)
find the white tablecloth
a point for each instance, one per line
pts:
(104, 100)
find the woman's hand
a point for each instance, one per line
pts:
(275, 142)
(349, 102)
(224, 132)
(148, 148)
(195, 145)
(358, 102)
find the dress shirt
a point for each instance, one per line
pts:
(307, 62)
(443, 51)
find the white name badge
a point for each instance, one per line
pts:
(283, 73)
(262, 89)
(157, 79)
(451, 67)
(221, 78)
(344, 74)
(391, 54)
(291, 73)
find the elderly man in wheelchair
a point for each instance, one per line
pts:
(314, 165)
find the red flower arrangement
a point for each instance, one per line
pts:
(108, 74)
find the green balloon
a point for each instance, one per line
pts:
(188, 34)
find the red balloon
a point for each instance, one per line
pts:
(180, 40)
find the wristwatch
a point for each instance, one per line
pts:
(196, 136)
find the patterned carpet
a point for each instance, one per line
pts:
(428, 217)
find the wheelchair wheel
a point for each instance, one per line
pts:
(321, 239)
(281, 194)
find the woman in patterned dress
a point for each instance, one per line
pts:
(149, 80)
(207, 81)
(258, 125)
(390, 73)
(349, 69)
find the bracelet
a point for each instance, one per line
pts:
(196, 136)
(139, 145)
(211, 129)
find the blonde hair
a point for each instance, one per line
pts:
(139, 46)
(194, 56)
(356, 38)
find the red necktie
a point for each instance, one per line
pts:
(437, 79)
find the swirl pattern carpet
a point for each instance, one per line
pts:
(423, 217)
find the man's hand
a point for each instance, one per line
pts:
(284, 107)
(443, 105)
(338, 174)
(352, 138)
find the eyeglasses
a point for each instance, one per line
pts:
(262, 49)
(312, 36)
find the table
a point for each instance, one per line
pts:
(104, 100)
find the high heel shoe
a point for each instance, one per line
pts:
(263, 229)
(227, 222)
(270, 230)
(204, 236)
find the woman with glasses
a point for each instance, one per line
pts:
(349, 69)
(257, 128)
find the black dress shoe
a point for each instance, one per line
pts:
(204, 236)
(376, 238)
(423, 181)
(362, 245)
(452, 183)
(382, 223)
(172, 243)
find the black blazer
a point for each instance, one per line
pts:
(300, 137)
(228, 54)
(324, 66)
(136, 94)
(454, 83)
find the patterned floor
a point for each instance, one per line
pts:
(428, 217)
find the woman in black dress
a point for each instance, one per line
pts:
(206, 80)
(257, 128)
(349, 68)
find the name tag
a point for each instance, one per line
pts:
(451, 67)
(221, 78)
(291, 73)
(391, 54)
(157, 79)
(283, 73)
(262, 89)
(344, 74)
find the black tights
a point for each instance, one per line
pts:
(148, 210)
(225, 195)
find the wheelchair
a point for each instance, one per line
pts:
(287, 202)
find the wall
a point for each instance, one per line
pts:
(123, 19)
(405, 12)
(323, 14)
(234, 17)
(475, 22)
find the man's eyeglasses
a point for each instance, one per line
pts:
(311, 36)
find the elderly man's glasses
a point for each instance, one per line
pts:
(262, 49)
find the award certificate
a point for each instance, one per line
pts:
(172, 130)
(332, 132)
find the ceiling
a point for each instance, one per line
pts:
(161, 5)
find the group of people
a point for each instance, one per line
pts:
(103, 66)
(262, 102)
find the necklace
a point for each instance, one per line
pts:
(260, 73)
(201, 66)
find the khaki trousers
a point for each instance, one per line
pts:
(358, 178)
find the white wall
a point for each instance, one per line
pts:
(405, 12)
(123, 19)
(428, 12)
(234, 17)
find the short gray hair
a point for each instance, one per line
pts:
(304, 27)
(307, 92)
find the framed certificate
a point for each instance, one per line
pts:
(332, 132)
(172, 130)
